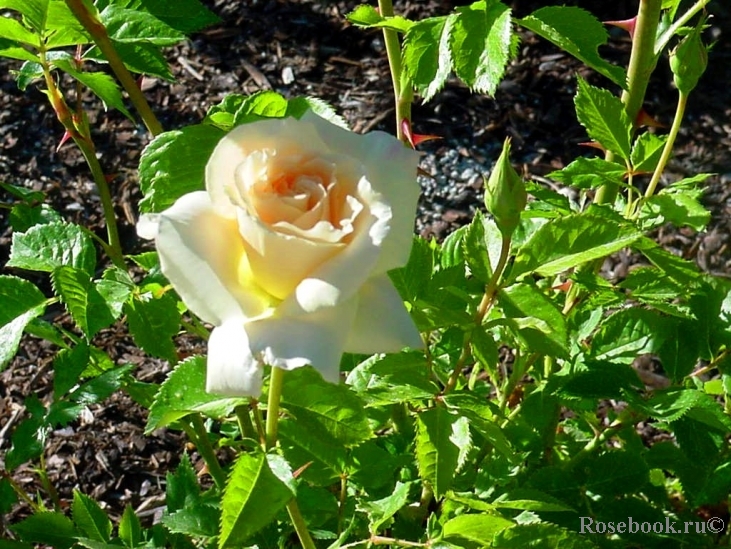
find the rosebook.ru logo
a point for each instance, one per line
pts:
(713, 525)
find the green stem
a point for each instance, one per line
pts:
(81, 136)
(483, 308)
(668, 148)
(672, 30)
(246, 427)
(403, 95)
(341, 501)
(258, 422)
(641, 64)
(275, 394)
(196, 431)
(99, 34)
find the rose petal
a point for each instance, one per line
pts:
(231, 369)
(201, 253)
(391, 170)
(317, 339)
(382, 323)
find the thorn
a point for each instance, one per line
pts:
(424, 173)
(625, 24)
(415, 139)
(110, 177)
(644, 119)
(301, 470)
(140, 80)
(66, 137)
(563, 287)
(594, 145)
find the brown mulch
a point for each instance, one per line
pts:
(305, 47)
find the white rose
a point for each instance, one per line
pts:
(287, 249)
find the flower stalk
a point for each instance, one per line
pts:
(402, 91)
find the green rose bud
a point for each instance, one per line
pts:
(505, 195)
(688, 60)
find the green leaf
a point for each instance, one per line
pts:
(186, 16)
(181, 488)
(603, 115)
(62, 28)
(617, 472)
(392, 379)
(100, 387)
(679, 208)
(130, 529)
(541, 536)
(48, 528)
(480, 529)
(13, 50)
(646, 152)
(367, 17)
(253, 497)
(480, 43)
(23, 216)
(436, 454)
(525, 301)
(263, 104)
(380, 511)
(174, 164)
(45, 247)
(183, 393)
(10, 29)
(35, 11)
(683, 271)
(67, 368)
(101, 84)
(28, 439)
(589, 173)
(602, 380)
(134, 25)
(475, 247)
(426, 54)
(138, 57)
(154, 319)
(8, 497)
(21, 303)
(629, 333)
(412, 279)
(298, 106)
(306, 441)
(200, 519)
(90, 519)
(566, 242)
(115, 287)
(82, 300)
(338, 409)
(577, 32)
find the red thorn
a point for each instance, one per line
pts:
(563, 287)
(625, 24)
(139, 81)
(66, 137)
(110, 177)
(594, 145)
(415, 139)
(644, 119)
(301, 470)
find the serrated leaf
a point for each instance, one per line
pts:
(679, 208)
(474, 248)
(263, 104)
(183, 392)
(181, 487)
(569, 241)
(82, 300)
(138, 57)
(135, 25)
(480, 529)
(629, 333)
(590, 173)
(101, 387)
(603, 115)
(541, 536)
(577, 32)
(646, 152)
(253, 497)
(130, 529)
(90, 519)
(684, 271)
(436, 455)
(153, 321)
(602, 380)
(101, 84)
(367, 16)
(305, 441)
(392, 379)
(480, 43)
(186, 16)
(426, 54)
(380, 511)
(29, 437)
(21, 303)
(67, 368)
(174, 165)
(13, 50)
(62, 28)
(23, 216)
(45, 247)
(115, 287)
(10, 29)
(48, 528)
(198, 520)
(298, 106)
(672, 404)
(35, 11)
(338, 409)
(413, 278)
(617, 472)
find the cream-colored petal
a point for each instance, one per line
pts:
(279, 262)
(231, 369)
(316, 339)
(390, 167)
(201, 254)
(382, 323)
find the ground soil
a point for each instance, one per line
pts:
(305, 47)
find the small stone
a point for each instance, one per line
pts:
(287, 76)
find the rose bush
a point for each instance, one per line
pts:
(286, 251)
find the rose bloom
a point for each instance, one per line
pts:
(286, 251)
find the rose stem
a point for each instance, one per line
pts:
(403, 96)
(99, 34)
(198, 435)
(275, 395)
(641, 64)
